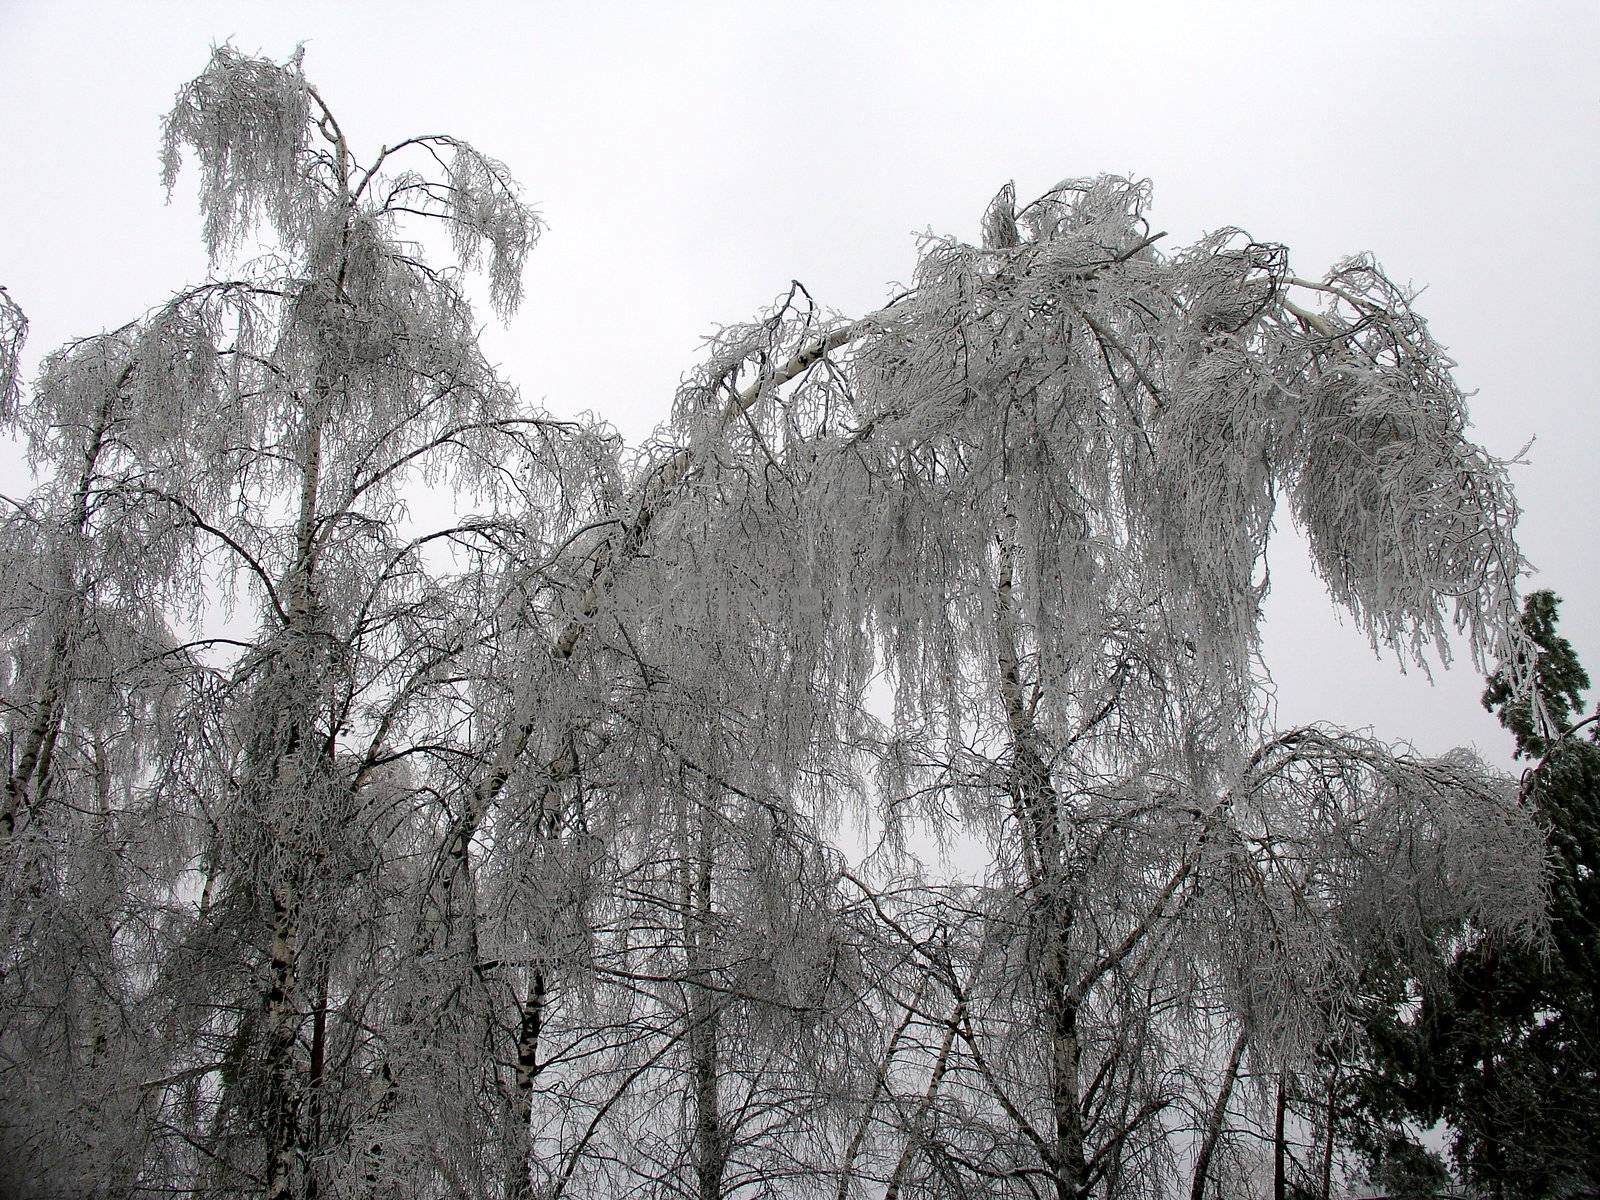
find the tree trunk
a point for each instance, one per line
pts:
(940, 1065)
(373, 1155)
(1065, 1063)
(1036, 808)
(280, 1030)
(710, 1139)
(519, 1167)
(1216, 1120)
(312, 1140)
(285, 782)
(1327, 1135)
(29, 769)
(21, 787)
(1280, 1149)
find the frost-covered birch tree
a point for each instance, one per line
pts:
(354, 852)
(273, 418)
(1037, 489)
(748, 746)
(696, 753)
(1046, 498)
(353, 372)
(89, 858)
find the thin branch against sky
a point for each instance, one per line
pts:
(691, 160)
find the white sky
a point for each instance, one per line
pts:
(692, 158)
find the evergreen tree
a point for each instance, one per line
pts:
(1504, 1045)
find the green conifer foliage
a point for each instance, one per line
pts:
(1505, 1045)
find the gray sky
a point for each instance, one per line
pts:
(692, 158)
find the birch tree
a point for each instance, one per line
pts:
(90, 859)
(713, 765)
(1050, 505)
(275, 417)
(498, 863)
(1039, 485)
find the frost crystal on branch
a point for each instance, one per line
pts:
(1408, 520)
(489, 855)
(249, 122)
(1131, 418)
(13, 332)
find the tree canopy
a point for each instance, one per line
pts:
(410, 794)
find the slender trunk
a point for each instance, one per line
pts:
(312, 1144)
(940, 1065)
(108, 892)
(26, 780)
(1328, 1131)
(23, 780)
(519, 1167)
(1216, 1120)
(1280, 1148)
(846, 1168)
(710, 1139)
(1036, 806)
(102, 999)
(1062, 995)
(1066, 1060)
(710, 1153)
(47, 756)
(284, 781)
(372, 1157)
(208, 889)
(301, 597)
(280, 1031)
(1029, 785)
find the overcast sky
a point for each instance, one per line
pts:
(693, 158)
